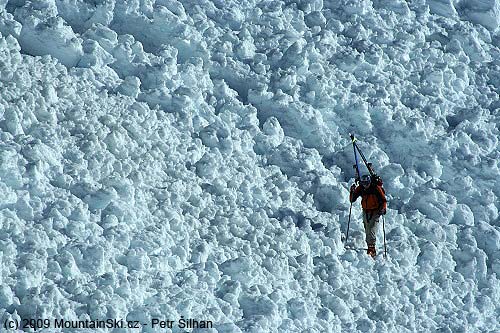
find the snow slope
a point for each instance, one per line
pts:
(169, 158)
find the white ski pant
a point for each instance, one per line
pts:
(370, 221)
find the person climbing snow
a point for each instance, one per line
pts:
(374, 205)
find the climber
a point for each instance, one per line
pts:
(374, 205)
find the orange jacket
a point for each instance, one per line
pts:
(372, 198)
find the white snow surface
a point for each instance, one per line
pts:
(191, 158)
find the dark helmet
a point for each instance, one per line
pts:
(365, 180)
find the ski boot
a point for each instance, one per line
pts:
(371, 251)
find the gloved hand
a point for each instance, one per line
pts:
(353, 187)
(382, 211)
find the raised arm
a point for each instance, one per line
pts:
(355, 192)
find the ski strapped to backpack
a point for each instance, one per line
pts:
(356, 166)
(369, 166)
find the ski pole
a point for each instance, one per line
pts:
(348, 223)
(385, 244)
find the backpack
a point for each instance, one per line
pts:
(377, 180)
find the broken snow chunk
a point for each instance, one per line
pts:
(50, 36)
(130, 86)
(463, 215)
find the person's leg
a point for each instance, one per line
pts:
(365, 224)
(371, 228)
